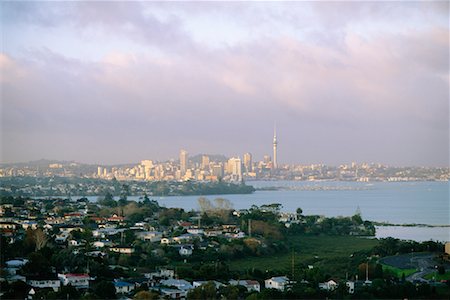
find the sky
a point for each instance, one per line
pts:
(118, 82)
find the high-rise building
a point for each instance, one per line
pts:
(205, 162)
(275, 143)
(183, 161)
(99, 171)
(217, 170)
(248, 162)
(235, 167)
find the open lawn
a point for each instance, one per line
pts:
(438, 277)
(398, 272)
(328, 252)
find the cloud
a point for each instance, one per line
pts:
(369, 91)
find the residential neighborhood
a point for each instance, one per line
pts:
(65, 248)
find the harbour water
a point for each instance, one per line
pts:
(390, 202)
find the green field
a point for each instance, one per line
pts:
(399, 272)
(328, 252)
(438, 277)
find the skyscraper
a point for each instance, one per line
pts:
(248, 162)
(234, 166)
(183, 161)
(275, 143)
(205, 162)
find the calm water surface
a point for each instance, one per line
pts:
(399, 203)
(392, 202)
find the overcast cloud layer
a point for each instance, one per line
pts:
(113, 82)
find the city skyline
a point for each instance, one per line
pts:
(117, 82)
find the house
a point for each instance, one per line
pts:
(279, 283)
(187, 237)
(12, 266)
(162, 273)
(102, 244)
(16, 263)
(76, 243)
(237, 235)
(61, 238)
(350, 286)
(103, 232)
(250, 285)
(201, 282)
(185, 225)
(152, 236)
(80, 281)
(122, 250)
(49, 281)
(213, 232)
(196, 231)
(166, 241)
(172, 293)
(68, 229)
(8, 225)
(98, 254)
(16, 277)
(29, 224)
(329, 285)
(180, 284)
(123, 287)
(186, 250)
(116, 218)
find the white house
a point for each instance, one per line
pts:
(279, 283)
(80, 281)
(166, 241)
(76, 243)
(200, 283)
(350, 286)
(196, 231)
(329, 285)
(103, 243)
(43, 282)
(180, 284)
(185, 250)
(173, 293)
(122, 250)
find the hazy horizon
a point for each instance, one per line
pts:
(113, 82)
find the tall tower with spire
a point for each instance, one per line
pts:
(275, 143)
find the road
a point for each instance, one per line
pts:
(425, 265)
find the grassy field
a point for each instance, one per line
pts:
(445, 276)
(320, 251)
(398, 272)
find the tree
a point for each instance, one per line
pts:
(146, 295)
(38, 264)
(205, 291)
(205, 204)
(299, 212)
(105, 290)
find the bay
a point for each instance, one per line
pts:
(390, 202)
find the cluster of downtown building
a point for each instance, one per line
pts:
(233, 169)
